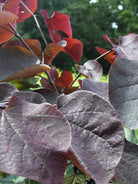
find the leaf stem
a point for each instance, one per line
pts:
(37, 23)
(51, 81)
(79, 74)
(104, 54)
(15, 32)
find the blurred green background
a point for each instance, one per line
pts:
(90, 20)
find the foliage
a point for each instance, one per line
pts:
(54, 132)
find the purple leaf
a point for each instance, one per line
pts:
(34, 140)
(15, 59)
(49, 95)
(100, 88)
(97, 133)
(127, 170)
(91, 69)
(6, 92)
(123, 90)
(127, 47)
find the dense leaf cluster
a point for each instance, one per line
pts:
(55, 132)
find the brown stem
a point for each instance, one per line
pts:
(104, 54)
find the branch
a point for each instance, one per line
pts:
(36, 21)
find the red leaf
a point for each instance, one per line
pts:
(7, 17)
(23, 13)
(51, 51)
(11, 6)
(6, 35)
(55, 73)
(109, 57)
(66, 78)
(57, 21)
(35, 45)
(74, 48)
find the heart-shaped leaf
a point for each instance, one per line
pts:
(51, 51)
(100, 88)
(74, 48)
(123, 90)
(57, 21)
(97, 134)
(37, 142)
(23, 13)
(91, 69)
(127, 170)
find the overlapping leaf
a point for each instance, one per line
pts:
(7, 17)
(37, 142)
(14, 63)
(100, 88)
(127, 170)
(127, 47)
(23, 12)
(57, 21)
(74, 48)
(97, 134)
(109, 57)
(91, 69)
(123, 90)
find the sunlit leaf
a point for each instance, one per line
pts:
(97, 134)
(51, 51)
(57, 21)
(74, 48)
(91, 69)
(109, 57)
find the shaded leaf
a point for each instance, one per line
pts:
(34, 44)
(15, 59)
(91, 69)
(37, 142)
(23, 14)
(49, 95)
(97, 134)
(127, 47)
(57, 22)
(74, 48)
(11, 6)
(100, 88)
(6, 92)
(123, 90)
(127, 170)
(50, 52)
(7, 17)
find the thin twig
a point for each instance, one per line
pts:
(104, 54)
(37, 23)
(20, 38)
(51, 81)
(79, 74)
